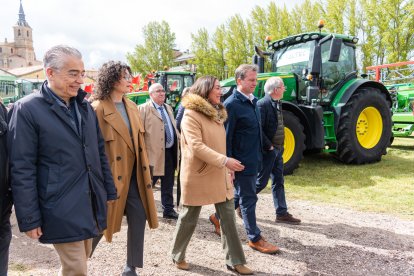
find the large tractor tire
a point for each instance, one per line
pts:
(364, 130)
(294, 142)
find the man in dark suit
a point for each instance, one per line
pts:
(243, 137)
(162, 142)
(5, 195)
(273, 138)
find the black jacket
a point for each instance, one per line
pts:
(268, 113)
(60, 180)
(5, 194)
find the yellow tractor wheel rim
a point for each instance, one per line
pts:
(369, 127)
(289, 145)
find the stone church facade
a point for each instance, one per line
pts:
(20, 52)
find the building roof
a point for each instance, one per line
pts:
(4, 73)
(184, 57)
(25, 70)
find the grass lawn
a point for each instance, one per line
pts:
(383, 187)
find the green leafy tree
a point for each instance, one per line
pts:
(219, 52)
(239, 42)
(352, 17)
(202, 51)
(285, 26)
(157, 51)
(398, 37)
(273, 15)
(260, 25)
(366, 27)
(333, 13)
(371, 27)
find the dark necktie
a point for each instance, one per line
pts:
(168, 134)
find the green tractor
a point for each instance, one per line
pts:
(173, 83)
(326, 106)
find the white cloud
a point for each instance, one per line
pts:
(105, 30)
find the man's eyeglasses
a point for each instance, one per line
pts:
(74, 74)
(159, 91)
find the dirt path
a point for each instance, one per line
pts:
(330, 241)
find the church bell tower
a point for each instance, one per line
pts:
(23, 38)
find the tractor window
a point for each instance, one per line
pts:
(188, 81)
(334, 72)
(174, 83)
(293, 58)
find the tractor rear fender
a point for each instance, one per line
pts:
(311, 117)
(351, 87)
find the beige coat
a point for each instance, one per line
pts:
(123, 152)
(204, 178)
(155, 135)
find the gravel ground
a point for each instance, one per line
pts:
(330, 241)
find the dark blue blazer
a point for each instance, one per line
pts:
(243, 132)
(60, 179)
(268, 113)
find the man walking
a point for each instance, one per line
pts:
(243, 135)
(60, 176)
(5, 195)
(273, 138)
(162, 141)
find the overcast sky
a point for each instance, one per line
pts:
(104, 30)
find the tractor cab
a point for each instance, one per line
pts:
(172, 82)
(321, 63)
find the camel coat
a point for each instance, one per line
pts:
(204, 178)
(123, 152)
(155, 135)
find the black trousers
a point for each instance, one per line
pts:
(5, 236)
(136, 219)
(167, 181)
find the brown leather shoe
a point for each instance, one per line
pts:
(263, 246)
(238, 212)
(287, 218)
(213, 219)
(183, 265)
(241, 269)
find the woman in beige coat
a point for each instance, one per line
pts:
(205, 173)
(123, 133)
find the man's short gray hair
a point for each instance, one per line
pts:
(242, 70)
(54, 56)
(153, 87)
(272, 83)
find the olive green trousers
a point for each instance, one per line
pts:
(187, 222)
